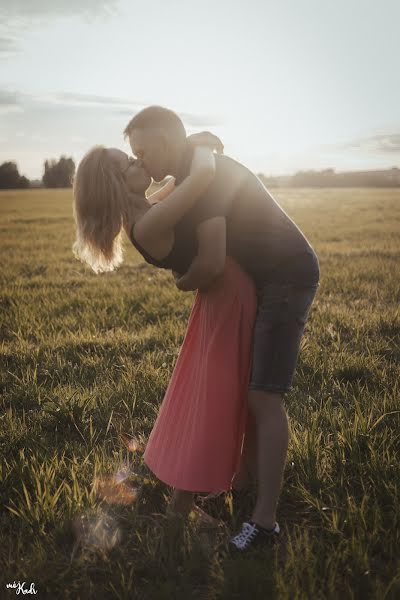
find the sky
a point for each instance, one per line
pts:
(288, 86)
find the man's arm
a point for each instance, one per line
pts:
(210, 260)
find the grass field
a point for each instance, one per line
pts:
(88, 357)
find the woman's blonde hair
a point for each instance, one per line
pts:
(100, 209)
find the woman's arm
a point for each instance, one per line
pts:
(164, 215)
(206, 138)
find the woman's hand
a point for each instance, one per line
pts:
(203, 163)
(205, 138)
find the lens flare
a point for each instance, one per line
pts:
(123, 474)
(113, 489)
(96, 529)
(132, 443)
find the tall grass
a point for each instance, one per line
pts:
(86, 360)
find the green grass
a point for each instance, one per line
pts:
(86, 357)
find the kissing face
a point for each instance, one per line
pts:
(150, 146)
(136, 178)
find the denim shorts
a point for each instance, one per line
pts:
(282, 313)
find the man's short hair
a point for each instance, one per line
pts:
(158, 117)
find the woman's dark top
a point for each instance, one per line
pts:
(183, 251)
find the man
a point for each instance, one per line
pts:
(238, 216)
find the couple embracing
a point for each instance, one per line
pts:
(222, 420)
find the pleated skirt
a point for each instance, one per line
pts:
(197, 439)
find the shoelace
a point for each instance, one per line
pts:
(247, 534)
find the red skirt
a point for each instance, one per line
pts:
(196, 442)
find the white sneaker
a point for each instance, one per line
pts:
(252, 535)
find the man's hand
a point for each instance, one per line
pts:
(200, 276)
(205, 138)
(183, 285)
(209, 262)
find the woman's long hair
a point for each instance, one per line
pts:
(100, 209)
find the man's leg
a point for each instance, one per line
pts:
(282, 313)
(272, 443)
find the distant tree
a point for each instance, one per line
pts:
(329, 178)
(10, 177)
(24, 182)
(58, 174)
(36, 183)
(268, 181)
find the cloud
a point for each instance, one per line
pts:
(8, 98)
(382, 143)
(125, 106)
(201, 120)
(16, 16)
(39, 9)
(68, 98)
(50, 101)
(9, 102)
(8, 45)
(189, 120)
(12, 100)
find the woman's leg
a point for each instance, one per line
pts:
(182, 502)
(247, 473)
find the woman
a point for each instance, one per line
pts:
(196, 442)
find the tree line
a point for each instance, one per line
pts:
(60, 173)
(329, 178)
(56, 174)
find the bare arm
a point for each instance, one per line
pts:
(206, 138)
(164, 215)
(210, 260)
(162, 192)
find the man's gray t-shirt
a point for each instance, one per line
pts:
(260, 236)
